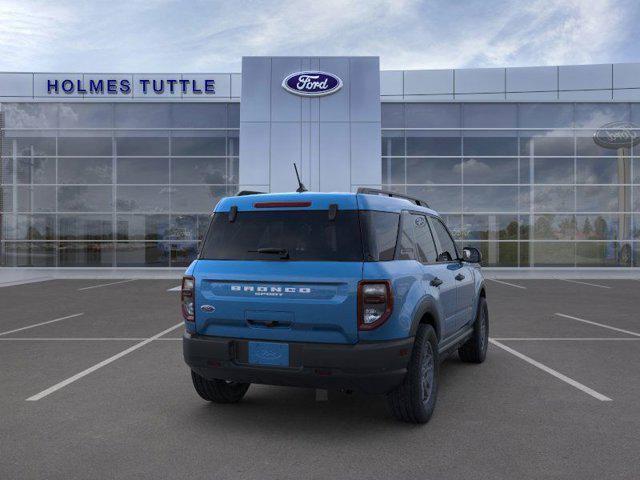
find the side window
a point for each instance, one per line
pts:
(406, 250)
(426, 249)
(446, 246)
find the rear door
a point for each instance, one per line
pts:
(285, 275)
(439, 278)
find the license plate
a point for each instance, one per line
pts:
(267, 353)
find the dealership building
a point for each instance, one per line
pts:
(535, 166)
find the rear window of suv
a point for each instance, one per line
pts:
(305, 235)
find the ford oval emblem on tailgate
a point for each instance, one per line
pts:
(207, 308)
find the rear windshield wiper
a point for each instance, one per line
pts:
(283, 252)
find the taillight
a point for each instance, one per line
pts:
(187, 298)
(375, 303)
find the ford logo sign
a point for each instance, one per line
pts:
(617, 135)
(312, 83)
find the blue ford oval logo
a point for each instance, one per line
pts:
(312, 83)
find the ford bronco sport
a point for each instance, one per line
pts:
(358, 291)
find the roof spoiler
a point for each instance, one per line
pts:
(375, 191)
(242, 193)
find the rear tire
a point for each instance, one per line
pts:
(474, 350)
(219, 391)
(415, 399)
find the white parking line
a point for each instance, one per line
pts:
(629, 332)
(584, 283)
(41, 323)
(507, 283)
(107, 284)
(175, 289)
(551, 371)
(97, 366)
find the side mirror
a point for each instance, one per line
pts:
(471, 255)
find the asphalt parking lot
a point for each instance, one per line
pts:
(93, 385)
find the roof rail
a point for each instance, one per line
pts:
(375, 191)
(242, 193)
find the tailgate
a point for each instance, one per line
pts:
(293, 301)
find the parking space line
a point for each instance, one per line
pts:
(175, 289)
(584, 283)
(97, 366)
(41, 323)
(560, 339)
(107, 284)
(97, 339)
(507, 283)
(629, 332)
(551, 371)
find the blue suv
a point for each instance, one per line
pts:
(361, 291)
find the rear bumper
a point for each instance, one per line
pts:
(371, 367)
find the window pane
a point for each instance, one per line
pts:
(80, 254)
(213, 144)
(546, 144)
(491, 144)
(553, 254)
(35, 170)
(554, 227)
(424, 243)
(36, 199)
(602, 199)
(85, 170)
(598, 114)
(196, 199)
(490, 170)
(393, 170)
(446, 246)
(406, 247)
(93, 146)
(585, 145)
(142, 146)
(143, 199)
(554, 199)
(432, 115)
(233, 114)
(92, 115)
(441, 199)
(488, 115)
(36, 227)
(434, 143)
(30, 115)
(490, 227)
(233, 143)
(139, 254)
(392, 115)
(603, 170)
(497, 254)
(199, 115)
(183, 253)
(183, 227)
(545, 115)
(40, 254)
(85, 227)
(29, 146)
(199, 170)
(142, 170)
(553, 170)
(604, 227)
(392, 143)
(490, 199)
(142, 115)
(142, 227)
(85, 199)
(434, 170)
(379, 232)
(603, 254)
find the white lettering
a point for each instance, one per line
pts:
(309, 82)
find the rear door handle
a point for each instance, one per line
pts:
(436, 282)
(459, 277)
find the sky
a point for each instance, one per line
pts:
(212, 36)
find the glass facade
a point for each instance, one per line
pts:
(115, 184)
(524, 182)
(112, 184)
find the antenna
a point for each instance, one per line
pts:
(301, 188)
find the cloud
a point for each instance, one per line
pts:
(172, 36)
